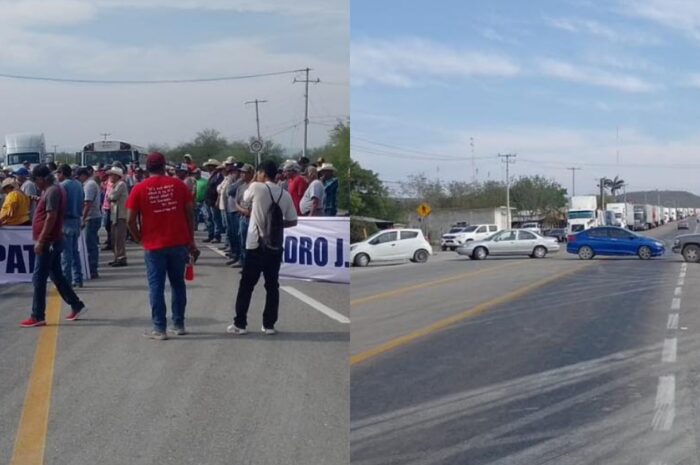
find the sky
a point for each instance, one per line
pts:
(172, 39)
(610, 87)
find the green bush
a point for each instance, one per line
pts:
(361, 230)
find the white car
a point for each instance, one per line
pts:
(475, 232)
(534, 227)
(390, 245)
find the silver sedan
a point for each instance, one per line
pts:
(510, 242)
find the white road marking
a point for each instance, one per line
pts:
(668, 354)
(676, 303)
(682, 275)
(681, 281)
(329, 312)
(217, 250)
(665, 406)
(678, 291)
(672, 321)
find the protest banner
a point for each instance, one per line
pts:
(17, 255)
(318, 249)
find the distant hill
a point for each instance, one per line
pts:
(668, 198)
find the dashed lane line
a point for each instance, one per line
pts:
(676, 303)
(672, 321)
(670, 347)
(665, 405)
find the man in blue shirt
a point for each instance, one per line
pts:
(75, 197)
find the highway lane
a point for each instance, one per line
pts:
(208, 397)
(579, 370)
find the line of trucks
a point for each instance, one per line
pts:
(18, 148)
(584, 213)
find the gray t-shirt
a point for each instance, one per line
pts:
(315, 189)
(92, 194)
(240, 191)
(30, 190)
(231, 194)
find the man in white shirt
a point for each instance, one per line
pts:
(262, 194)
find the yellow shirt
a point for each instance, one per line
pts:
(15, 209)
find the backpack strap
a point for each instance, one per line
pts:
(272, 197)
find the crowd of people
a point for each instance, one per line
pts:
(161, 207)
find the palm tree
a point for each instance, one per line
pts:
(615, 185)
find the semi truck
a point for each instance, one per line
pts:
(643, 217)
(25, 147)
(583, 214)
(622, 214)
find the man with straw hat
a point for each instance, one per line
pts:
(15, 208)
(330, 185)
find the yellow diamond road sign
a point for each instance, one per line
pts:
(424, 210)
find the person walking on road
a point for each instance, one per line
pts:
(47, 233)
(272, 210)
(215, 225)
(243, 208)
(117, 207)
(166, 232)
(72, 265)
(91, 218)
(15, 207)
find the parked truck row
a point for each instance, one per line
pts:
(584, 213)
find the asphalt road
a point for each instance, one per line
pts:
(563, 362)
(205, 398)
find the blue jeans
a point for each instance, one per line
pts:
(170, 262)
(48, 265)
(92, 242)
(72, 269)
(243, 234)
(224, 222)
(232, 234)
(214, 225)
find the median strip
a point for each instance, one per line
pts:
(472, 312)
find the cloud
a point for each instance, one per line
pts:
(408, 62)
(595, 77)
(18, 14)
(597, 29)
(679, 15)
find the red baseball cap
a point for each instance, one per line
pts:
(155, 160)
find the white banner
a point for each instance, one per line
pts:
(17, 255)
(318, 248)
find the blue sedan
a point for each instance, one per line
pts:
(613, 241)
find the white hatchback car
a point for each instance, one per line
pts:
(389, 245)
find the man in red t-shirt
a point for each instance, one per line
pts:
(166, 229)
(296, 185)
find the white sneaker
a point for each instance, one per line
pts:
(233, 329)
(269, 331)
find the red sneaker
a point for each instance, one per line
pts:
(74, 314)
(32, 322)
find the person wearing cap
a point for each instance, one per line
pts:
(312, 202)
(215, 226)
(330, 187)
(75, 198)
(166, 232)
(228, 172)
(47, 233)
(117, 209)
(243, 208)
(91, 218)
(297, 183)
(259, 259)
(15, 208)
(191, 166)
(232, 217)
(28, 187)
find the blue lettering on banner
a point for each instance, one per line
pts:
(18, 259)
(305, 250)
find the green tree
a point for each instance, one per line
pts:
(538, 194)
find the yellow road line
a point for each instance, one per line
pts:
(472, 312)
(415, 287)
(31, 434)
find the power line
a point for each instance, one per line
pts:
(144, 81)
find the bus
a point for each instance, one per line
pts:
(106, 152)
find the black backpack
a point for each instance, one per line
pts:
(272, 237)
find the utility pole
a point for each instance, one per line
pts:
(508, 158)
(105, 135)
(257, 124)
(573, 179)
(306, 107)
